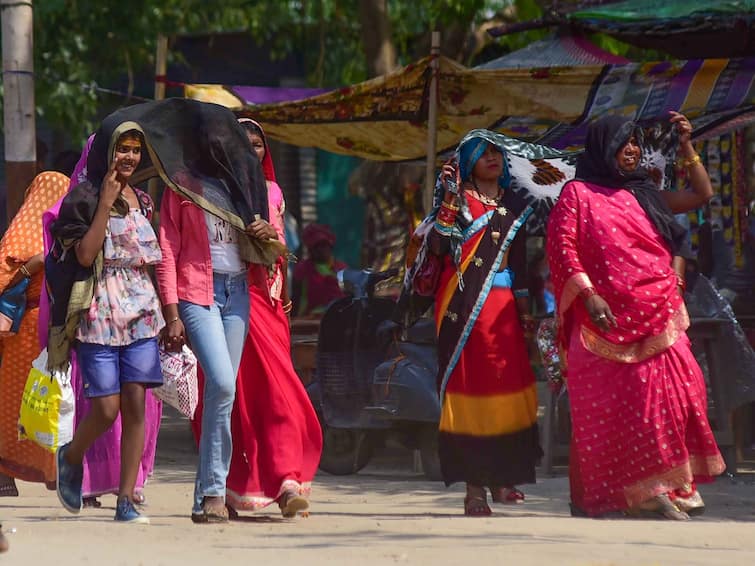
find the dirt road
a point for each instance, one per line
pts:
(385, 515)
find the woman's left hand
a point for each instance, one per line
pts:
(683, 125)
(33, 266)
(262, 230)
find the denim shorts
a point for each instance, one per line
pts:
(105, 368)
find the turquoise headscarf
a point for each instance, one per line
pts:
(470, 152)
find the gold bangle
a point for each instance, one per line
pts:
(691, 161)
(25, 270)
(450, 206)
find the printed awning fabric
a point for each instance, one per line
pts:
(385, 119)
(683, 28)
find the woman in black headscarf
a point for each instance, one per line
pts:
(641, 437)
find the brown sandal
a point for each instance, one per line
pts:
(213, 511)
(291, 503)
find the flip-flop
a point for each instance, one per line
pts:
(476, 506)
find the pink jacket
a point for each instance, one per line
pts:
(185, 273)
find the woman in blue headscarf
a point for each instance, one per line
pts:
(488, 434)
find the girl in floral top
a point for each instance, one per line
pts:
(117, 338)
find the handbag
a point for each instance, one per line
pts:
(426, 278)
(46, 415)
(13, 307)
(180, 389)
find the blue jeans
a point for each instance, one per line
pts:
(217, 334)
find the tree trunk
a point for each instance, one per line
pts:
(379, 49)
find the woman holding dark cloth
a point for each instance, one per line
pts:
(640, 434)
(104, 226)
(203, 282)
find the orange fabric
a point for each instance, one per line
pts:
(23, 240)
(506, 413)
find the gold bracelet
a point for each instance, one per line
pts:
(450, 206)
(25, 270)
(691, 161)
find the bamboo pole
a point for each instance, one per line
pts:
(432, 123)
(161, 68)
(18, 104)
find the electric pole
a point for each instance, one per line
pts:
(18, 100)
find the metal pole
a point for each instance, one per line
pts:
(18, 104)
(432, 123)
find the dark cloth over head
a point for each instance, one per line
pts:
(598, 165)
(196, 148)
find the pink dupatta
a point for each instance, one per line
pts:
(604, 239)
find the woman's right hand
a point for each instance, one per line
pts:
(174, 336)
(449, 178)
(111, 187)
(600, 313)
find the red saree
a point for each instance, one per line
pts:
(277, 439)
(488, 427)
(637, 395)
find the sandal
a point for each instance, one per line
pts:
(139, 499)
(292, 502)
(233, 515)
(92, 502)
(8, 486)
(506, 495)
(476, 506)
(213, 511)
(658, 506)
(693, 504)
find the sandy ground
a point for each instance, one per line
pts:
(385, 515)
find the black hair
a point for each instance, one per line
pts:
(252, 128)
(132, 134)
